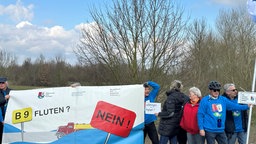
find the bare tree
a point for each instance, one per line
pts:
(26, 73)
(60, 69)
(6, 59)
(237, 34)
(201, 62)
(136, 40)
(226, 56)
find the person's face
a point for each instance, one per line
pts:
(214, 92)
(231, 92)
(147, 90)
(192, 96)
(2, 85)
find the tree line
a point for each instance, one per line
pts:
(136, 41)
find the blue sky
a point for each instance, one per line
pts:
(51, 27)
(67, 13)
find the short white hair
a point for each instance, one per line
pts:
(227, 86)
(196, 91)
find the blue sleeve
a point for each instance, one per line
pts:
(155, 89)
(201, 114)
(1, 116)
(234, 106)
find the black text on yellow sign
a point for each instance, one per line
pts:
(22, 115)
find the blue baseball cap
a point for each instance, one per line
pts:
(3, 79)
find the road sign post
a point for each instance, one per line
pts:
(21, 116)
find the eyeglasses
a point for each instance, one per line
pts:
(215, 90)
(233, 90)
(2, 82)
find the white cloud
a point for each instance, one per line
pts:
(87, 26)
(23, 24)
(230, 2)
(18, 12)
(26, 40)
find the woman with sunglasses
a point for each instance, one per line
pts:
(212, 114)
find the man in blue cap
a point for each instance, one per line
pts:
(4, 97)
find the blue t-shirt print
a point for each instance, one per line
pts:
(217, 109)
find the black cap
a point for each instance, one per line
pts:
(3, 79)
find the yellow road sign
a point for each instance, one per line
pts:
(22, 115)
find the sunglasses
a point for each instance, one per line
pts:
(233, 90)
(215, 90)
(2, 82)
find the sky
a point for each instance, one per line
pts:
(30, 28)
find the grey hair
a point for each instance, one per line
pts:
(226, 86)
(196, 91)
(176, 84)
(75, 84)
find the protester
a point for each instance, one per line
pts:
(212, 114)
(150, 128)
(4, 97)
(189, 118)
(171, 113)
(236, 121)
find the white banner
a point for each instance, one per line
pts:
(70, 115)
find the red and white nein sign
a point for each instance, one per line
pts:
(113, 119)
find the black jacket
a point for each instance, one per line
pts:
(3, 101)
(171, 113)
(229, 123)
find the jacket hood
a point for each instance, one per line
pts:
(171, 91)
